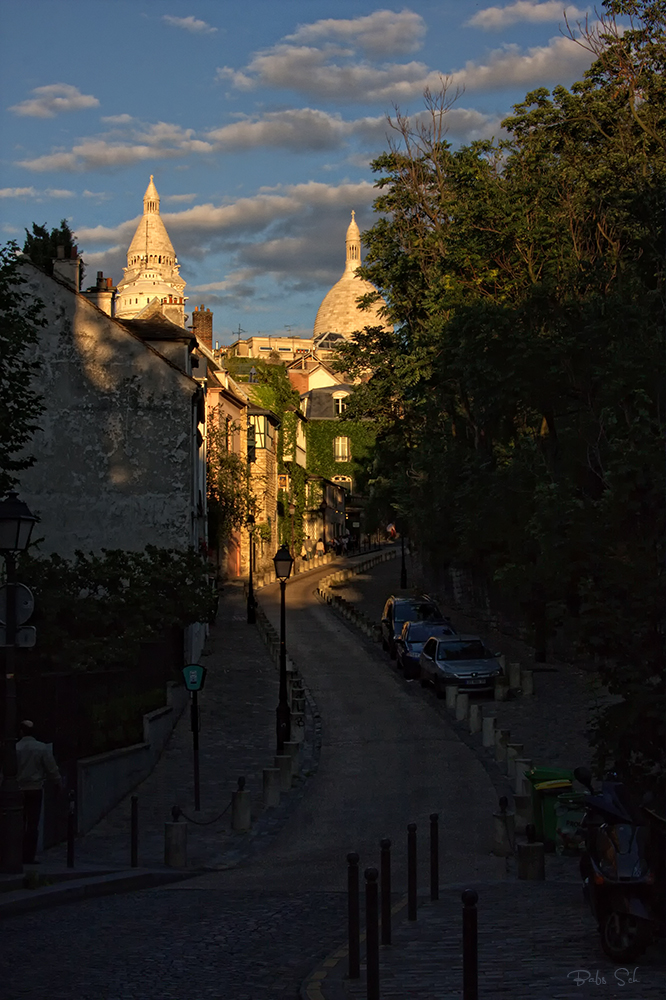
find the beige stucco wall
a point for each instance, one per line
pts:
(117, 463)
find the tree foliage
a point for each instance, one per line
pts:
(229, 495)
(94, 611)
(41, 245)
(20, 402)
(520, 399)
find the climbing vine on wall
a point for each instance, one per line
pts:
(320, 437)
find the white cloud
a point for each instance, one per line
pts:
(561, 61)
(192, 24)
(522, 11)
(180, 197)
(382, 33)
(158, 141)
(333, 73)
(99, 195)
(26, 192)
(59, 193)
(117, 119)
(53, 100)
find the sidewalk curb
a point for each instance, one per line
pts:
(26, 900)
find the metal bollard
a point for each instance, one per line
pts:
(241, 808)
(134, 833)
(502, 737)
(434, 855)
(451, 693)
(462, 706)
(354, 933)
(514, 676)
(470, 945)
(385, 867)
(411, 871)
(175, 840)
(71, 828)
(474, 718)
(531, 863)
(371, 934)
(513, 752)
(527, 683)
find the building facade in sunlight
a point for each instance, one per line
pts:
(152, 271)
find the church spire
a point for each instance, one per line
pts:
(151, 199)
(353, 245)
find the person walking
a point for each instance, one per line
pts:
(35, 764)
(320, 548)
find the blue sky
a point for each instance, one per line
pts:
(258, 120)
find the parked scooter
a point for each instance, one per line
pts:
(622, 877)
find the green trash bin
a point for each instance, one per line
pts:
(547, 783)
(569, 813)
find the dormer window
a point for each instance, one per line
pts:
(340, 402)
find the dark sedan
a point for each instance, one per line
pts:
(412, 640)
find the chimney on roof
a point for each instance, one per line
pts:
(202, 326)
(68, 269)
(102, 293)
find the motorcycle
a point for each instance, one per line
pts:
(619, 868)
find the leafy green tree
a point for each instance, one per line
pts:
(20, 402)
(41, 245)
(520, 400)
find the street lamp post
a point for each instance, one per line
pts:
(292, 511)
(16, 523)
(251, 610)
(283, 563)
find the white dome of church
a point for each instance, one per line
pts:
(339, 312)
(152, 268)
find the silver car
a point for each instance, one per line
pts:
(462, 660)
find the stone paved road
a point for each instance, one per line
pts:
(387, 759)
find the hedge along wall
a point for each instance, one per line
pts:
(320, 435)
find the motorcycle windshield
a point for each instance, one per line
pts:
(622, 851)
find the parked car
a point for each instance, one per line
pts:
(413, 638)
(399, 610)
(462, 660)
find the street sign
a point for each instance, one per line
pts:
(195, 677)
(24, 603)
(26, 637)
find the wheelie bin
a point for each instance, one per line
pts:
(547, 783)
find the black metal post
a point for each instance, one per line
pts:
(411, 871)
(354, 971)
(251, 607)
(434, 855)
(11, 798)
(371, 934)
(283, 721)
(71, 828)
(134, 833)
(385, 868)
(194, 723)
(403, 568)
(470, 956)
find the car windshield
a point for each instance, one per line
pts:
(471, 650)
(417, 612)
(421, 632)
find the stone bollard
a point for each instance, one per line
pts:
(527, 683)
(451, 697)
(502, 737)
(513, 752)
(475, 718)
(462, 706)
(531, 864)
(283, 763)
(292, 748)
(521, 784)
(501, 688)
(502, 661)
(271, 787)
(522, 805)
(504, 831)
(514, 676)
(241, 807)
(175, 843)
(488, 723)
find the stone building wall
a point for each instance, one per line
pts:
(116, 456)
